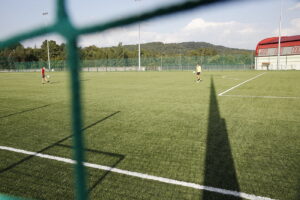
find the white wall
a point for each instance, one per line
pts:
(291, 62)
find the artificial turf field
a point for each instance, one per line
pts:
(162, 124)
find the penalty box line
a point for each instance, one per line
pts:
(140, 175)
(222, 93)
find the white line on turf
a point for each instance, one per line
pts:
(230, 78)
(140, 175)
(270, 97)
(241, 84)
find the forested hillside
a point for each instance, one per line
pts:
(19, 53)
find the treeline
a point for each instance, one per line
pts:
(19, 53)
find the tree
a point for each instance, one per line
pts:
(56, 52)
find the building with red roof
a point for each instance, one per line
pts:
(266, 53)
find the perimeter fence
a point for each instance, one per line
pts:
(179, 63)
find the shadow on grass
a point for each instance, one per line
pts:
(54, 82)
(119, 157)
(24, 111)
(219, 164)
(58, 143)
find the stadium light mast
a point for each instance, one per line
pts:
(48, 52)
(279, 37)
(13, 51)
(139, 45)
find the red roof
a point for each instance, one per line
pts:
(286, 41)
(274, 40)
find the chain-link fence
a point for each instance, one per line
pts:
(179, 63)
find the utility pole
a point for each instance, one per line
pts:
(139, 45)
(9, 60)
(48, 52)
(279, 37)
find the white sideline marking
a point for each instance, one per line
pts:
(230, 78)
(241, 84)
(140, 175)
(271, 97)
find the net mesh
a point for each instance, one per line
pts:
(64, 27)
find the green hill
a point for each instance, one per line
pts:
(186, 48)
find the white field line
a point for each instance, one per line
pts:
(230, 78)
(270, 97)
(241, 84)
(140, 175)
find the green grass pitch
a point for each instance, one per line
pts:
(157, 123)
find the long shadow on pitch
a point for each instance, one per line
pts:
(24, 111)
(119, 158)
(58, 143)
(219, 164)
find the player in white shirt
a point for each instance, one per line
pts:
(198, 72)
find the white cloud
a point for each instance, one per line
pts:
(37, 42)
(227, 33)
(200, 24)
(296, 24)
(129, 35)
(231, 27)
(247, 30)
(114, 36)
(296, 6)
(292, 29)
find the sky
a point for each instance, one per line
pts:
(237, 24)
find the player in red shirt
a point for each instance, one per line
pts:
(44, 79)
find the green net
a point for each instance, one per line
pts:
(65, 28)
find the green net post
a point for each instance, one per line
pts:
(65, 27)
(73, 63)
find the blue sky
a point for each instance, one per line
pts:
(239, 24)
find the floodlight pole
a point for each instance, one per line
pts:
(48, 52)
(279, 37)
(139, 46)
(49, 65)
(13, 51)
